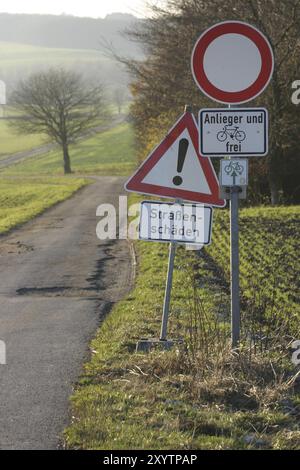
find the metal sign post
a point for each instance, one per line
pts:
(169, 282)
(167, 299)
(232, 63)
(234, 266)
(204, 240)
(166, 308)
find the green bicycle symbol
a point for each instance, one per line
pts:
(234, 167)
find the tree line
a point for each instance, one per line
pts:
(162, 83)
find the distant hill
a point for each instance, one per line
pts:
(68, 31)
(29, 43)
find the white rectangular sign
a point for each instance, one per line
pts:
(233, 132)
(234, 172)
(177, 222)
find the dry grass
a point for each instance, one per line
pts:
(200, 395)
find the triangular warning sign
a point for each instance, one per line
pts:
(175, 169)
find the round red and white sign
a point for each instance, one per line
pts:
(232, 62)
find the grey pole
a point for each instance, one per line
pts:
(172, 253)
(166, 309)
(234, 265)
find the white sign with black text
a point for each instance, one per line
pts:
(175, 222)
(233, 132)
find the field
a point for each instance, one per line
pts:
(200, 395)
(107, 153)
(15, 56)
(28, 188)
(269, 249)
(12, 143)
(20, 201)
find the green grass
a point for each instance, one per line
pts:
(107, 153)
(158, 401)
(30, 187)
(21, 201)
(11, 143)
(269, 248)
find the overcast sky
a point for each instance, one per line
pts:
(92, 8)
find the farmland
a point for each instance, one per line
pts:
(22, 57)
(13, 54)
(268, 248)
(107, 153)
(12, 143)
(30, 187)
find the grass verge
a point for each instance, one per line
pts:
(23, 200)
(197, 396)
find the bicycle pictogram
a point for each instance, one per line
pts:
(234, 168)
(233, 133)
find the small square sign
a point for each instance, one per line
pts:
(234, 172)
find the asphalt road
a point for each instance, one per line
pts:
(57, 281)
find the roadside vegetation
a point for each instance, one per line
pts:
(269, 260)
(200, 395)
(22, 200)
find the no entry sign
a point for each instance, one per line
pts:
(232, 62)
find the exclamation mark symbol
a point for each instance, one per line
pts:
(182, 151)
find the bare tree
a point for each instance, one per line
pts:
(59, 104)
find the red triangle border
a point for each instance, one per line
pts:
(135, 184)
